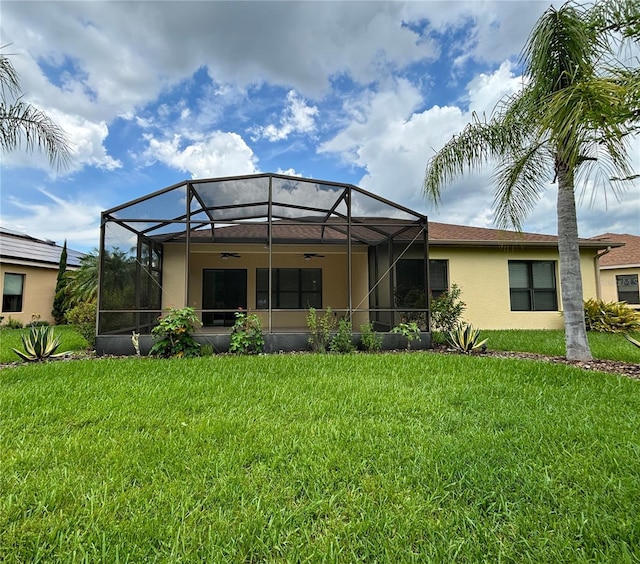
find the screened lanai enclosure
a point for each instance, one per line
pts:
(267, 244)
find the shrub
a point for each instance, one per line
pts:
(371, 341)
(466, 339)
(342, 340)
(246, 334)
(610, 317)
(320, 329)
(446, 311)
(83, 319)
(14, 323)
(39, 344)
(410, 331)
(173, 334)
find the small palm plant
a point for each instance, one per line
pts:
(39, 344)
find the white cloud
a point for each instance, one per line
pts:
(393, 142)
(297, 117)
(58, 219)
(216, 154)
(289, 172)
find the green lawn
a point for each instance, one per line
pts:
(290, 458)
(603, 345)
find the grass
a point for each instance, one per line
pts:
(311, 458)
(608, 346)
(70, 340)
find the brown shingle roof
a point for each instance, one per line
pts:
(440, 234)
(621, 256)
(450, 232)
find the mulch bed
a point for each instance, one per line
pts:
(628, 369)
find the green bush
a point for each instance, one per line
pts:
(173, 334)
(446, 312)
(342, 341)
(466, 339)
(14, 323)
(410, 331)
(43, 323)
(610, 317)
(83, 319)
(320, 329)
(246, 334)
(371, 341)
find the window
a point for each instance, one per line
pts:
(12, 293)
(410, 280)
(628, 288)
(223, 288)
(291, 288)
(532, 285)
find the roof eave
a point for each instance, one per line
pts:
(515, 243)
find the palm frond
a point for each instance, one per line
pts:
(479, 143)
(595, 110)
(619, 16)
(561, 50)
(9, 81)
(521, 179)
(23, 123)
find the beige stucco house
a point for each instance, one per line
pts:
(278, 245)
(28, 274)
(620, 269)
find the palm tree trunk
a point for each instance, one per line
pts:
(575, 332)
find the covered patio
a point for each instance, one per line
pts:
(269, 244)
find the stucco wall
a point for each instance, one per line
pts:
(608, 286)
(207, 256)
(38, 292)
(481, 273)
(483, 276)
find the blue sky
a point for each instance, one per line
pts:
(152, 93)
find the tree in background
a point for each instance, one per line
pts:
(571, 121)
(82, 284)
(59, 298)
(21, 122)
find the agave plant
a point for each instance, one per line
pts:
(39, 344)
(465, 338)
(633, 341)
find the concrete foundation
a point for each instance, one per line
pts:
(274, 343)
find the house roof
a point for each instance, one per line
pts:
(445, 234)
(372, 230)
(626, 256)
(19, 248)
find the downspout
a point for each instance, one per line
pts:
(596, 262)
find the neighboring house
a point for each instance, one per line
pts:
(277, 245)
(620, 269)
(28, 275)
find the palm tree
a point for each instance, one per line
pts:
(572, 118)
(82, 284)
(20, 121)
